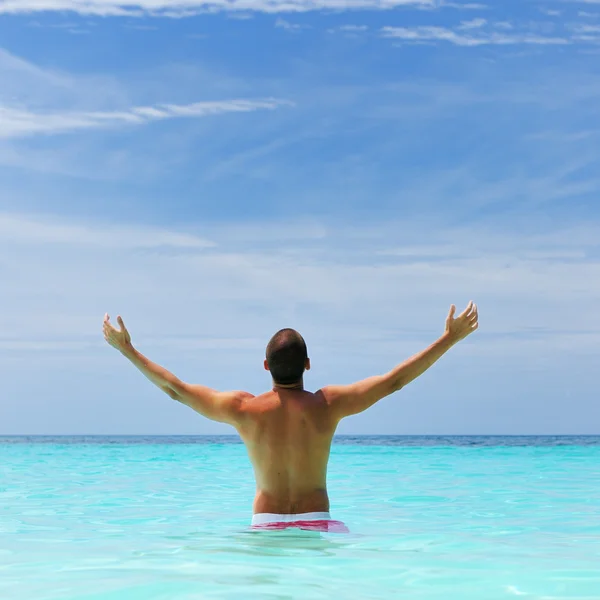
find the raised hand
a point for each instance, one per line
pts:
(119, 339)
(466, 323)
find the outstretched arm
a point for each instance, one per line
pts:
(346, 400)
(218, 406)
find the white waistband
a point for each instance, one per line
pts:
(265, 518)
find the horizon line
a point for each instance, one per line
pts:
(234, 435)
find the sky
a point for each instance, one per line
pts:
(215, 171)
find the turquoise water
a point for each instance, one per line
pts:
(430, 518)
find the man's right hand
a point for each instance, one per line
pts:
(119, 339)
(465, 324)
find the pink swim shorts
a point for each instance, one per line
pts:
(316, 521)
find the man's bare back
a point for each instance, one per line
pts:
(288, 436)
(288, 431)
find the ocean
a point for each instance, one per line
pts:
(430, 518)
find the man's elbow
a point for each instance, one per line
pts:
(396, 385)
(172, 393)
(390, 382)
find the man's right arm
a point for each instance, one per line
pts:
(225, 407)
(346, 400)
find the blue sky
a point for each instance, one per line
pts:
(214, 171)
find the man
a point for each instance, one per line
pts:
(288, 430)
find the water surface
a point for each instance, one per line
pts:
(431, 518)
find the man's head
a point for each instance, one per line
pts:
(287, 358)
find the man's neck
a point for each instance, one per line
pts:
(298, 386)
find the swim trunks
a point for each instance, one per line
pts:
(315, 521)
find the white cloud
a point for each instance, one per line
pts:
(466, 6)
(586, 33)
(583, 28)
(473, 24)
(294, 27)
(590, 39)
(184, 8)
(417, 34)
(16, 122)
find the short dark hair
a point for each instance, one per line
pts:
(286, 356)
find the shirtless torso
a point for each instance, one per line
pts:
(288, 435)
(288, 431)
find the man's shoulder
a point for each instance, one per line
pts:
(249, 401)
(238, 399)
(329, 391)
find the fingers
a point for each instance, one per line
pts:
(467, 310)
(107, 327)
(452, 312)
(473, 315)
(121, 324)
(465, 324)
(473, 319)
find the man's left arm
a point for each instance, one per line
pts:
(225, 407)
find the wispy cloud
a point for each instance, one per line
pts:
(18, 229)
(584, 28)
(335, 270)
(583, 32)
(188, 8)
(12, 65)
(26, 86)
(16, 122)
(72, 28)
(462, 6)
(472, 24)
(351, 28)
(444, 34)
(185, 8)
(293, 27)
(481, 32)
